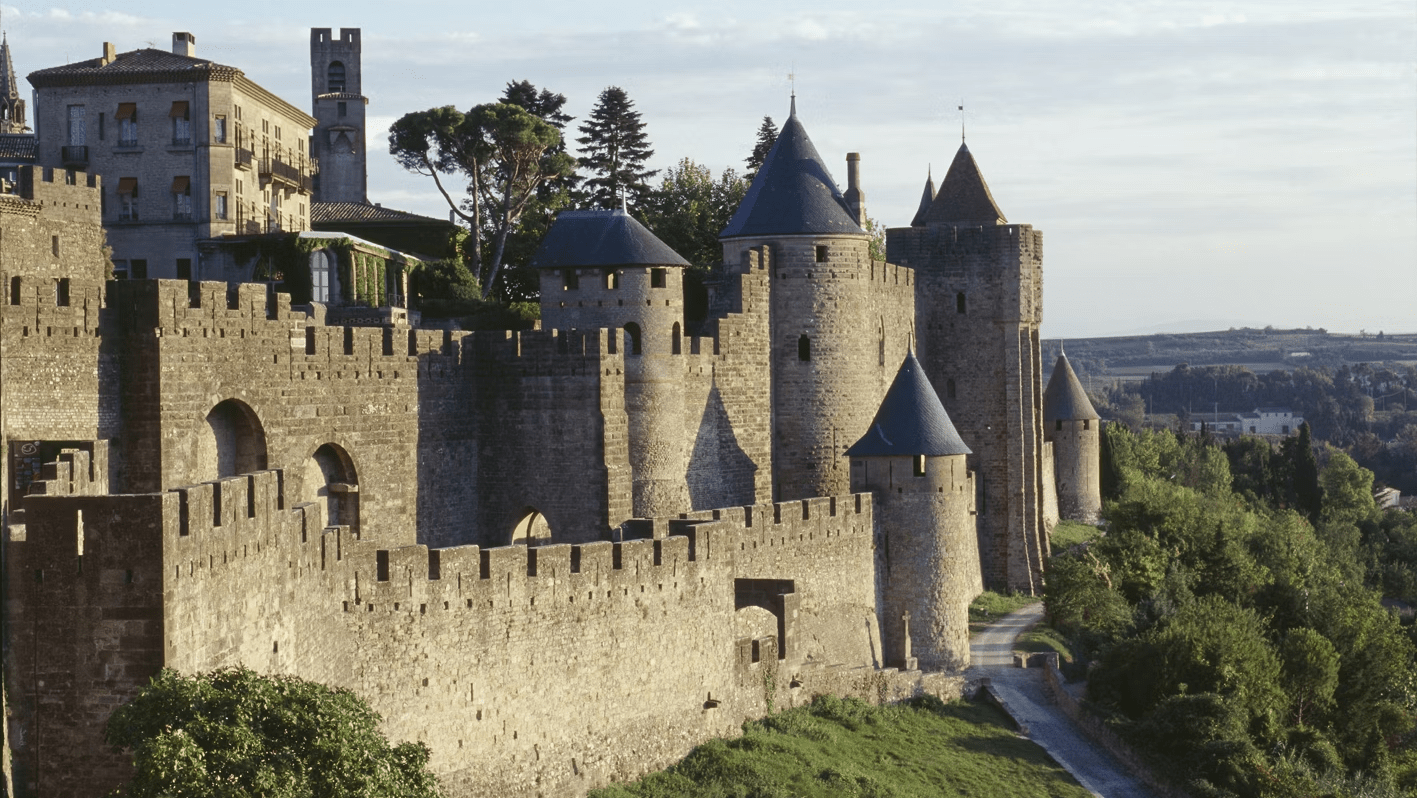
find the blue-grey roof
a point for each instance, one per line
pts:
(579, 239)
(926, 198)
(910, 421)
(963, 195)
(1064, 399)
(793, 193)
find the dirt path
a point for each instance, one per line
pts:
(1025, 696)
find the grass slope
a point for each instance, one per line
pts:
(845, 748)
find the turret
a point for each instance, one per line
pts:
(12, 107)
(913, 460)
(978, 307)
(926, 199)
(603, 269)
(1073, 426)
(829, 351)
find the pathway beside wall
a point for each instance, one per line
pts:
(1024, 694)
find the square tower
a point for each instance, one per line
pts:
(338, 107)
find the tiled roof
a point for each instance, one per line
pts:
(129, 66)
(792, 193)
(18, 147)
(335, 212)
(963, 195)
(927, 197)
(1064, 399)
(601, 238)
(910, 421)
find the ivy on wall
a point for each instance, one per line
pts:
(285, 259)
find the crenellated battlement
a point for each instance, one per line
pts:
(546, 353)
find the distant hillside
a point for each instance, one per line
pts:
(1137, 356)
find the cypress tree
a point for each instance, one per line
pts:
(615, 149)
(767, 136)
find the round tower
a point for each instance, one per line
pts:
(913, 461)
(603, 269)
(1073, 427)
(829, 350)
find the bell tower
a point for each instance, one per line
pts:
(12, 108)
(338, 107)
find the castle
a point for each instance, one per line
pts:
(558, 557)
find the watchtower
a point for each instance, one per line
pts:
(978, 306)
(828, 363)
(1073, 426)
(338, 106)
(603, 269)
(913, 460)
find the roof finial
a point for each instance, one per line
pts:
(624, 203)
(961, 120)
(792, 78)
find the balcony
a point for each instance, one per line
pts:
(298, 177)
(244, 158)
(74, 156)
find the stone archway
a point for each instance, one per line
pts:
(231, 442)
(531, 529)
(331, 480)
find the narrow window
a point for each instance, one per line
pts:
(342, 108)
(919, 465)
(219, 205)
(959, 302)
(677, 347)
(656, 278)
(127, 117)
(573, 279)
(612, 279)
(61, 292)
(128, 198)
(182, 198)
(181, 123)
(219, 129)
(949, 389)
(100, 125)
(632, 331)
(821, 254)
(54, 245)
(1058, 425)
(804, 348)
(76, 126)
(184, 269)
(14, 290)
(335, 82)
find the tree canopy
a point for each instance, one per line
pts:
(503, 152)
(615, 148)
(235, 733)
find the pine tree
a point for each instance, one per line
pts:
(615, 149)
(767, 136)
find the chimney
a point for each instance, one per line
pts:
(855, 197)
(109, 53)
(184, 43)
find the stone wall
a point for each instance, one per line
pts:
(1077, 459)
(528, 671)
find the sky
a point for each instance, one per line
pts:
(1193, 165)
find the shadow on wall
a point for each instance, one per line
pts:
(720, 473)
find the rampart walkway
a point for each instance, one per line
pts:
(1025, 696)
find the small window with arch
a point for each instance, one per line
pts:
(632, 332)
(657, 278)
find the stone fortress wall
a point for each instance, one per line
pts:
(527, 670)
(213, 477)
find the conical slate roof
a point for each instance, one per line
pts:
(792, 193)
(925, 200)
(1064, 399)
(580, 239)
(964, 196)
(9, 87)
(910, 421)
